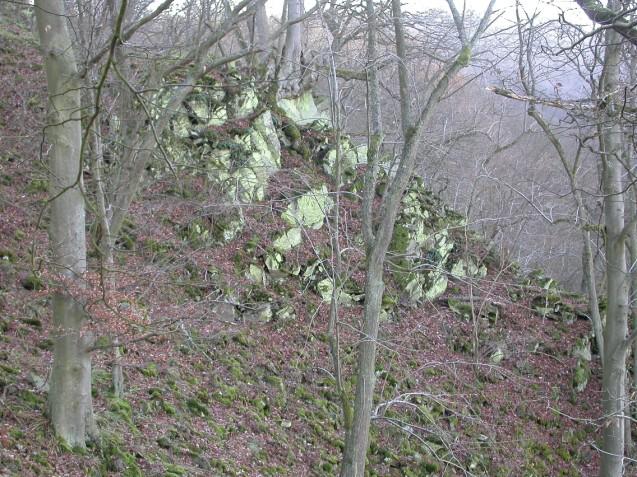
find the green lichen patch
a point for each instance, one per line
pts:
(288, 240)
(310, 209)
(302, 110)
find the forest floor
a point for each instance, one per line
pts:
(208, 394)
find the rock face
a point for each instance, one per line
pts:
(239, 147)
(421, 245)
(303, 110)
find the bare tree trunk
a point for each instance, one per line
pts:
(590, 282)
(377, 241)
(290, 73)
(337, 269)
(261, 33)
(614, 372)
(357, 438)
(70, 402)
(632, 242)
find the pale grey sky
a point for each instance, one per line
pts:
(548, 8)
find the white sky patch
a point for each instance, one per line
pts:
(548, 9)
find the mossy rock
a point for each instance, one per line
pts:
(115, 459)
(581, 375)
(310, 209)
(461, 308)
(302, 110)
(32, 282)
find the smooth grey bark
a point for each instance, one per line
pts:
(357, 431)
(337, 268)
(614, 371)
(375, 125)
(69, 400)
(261, 32)
(357, 441)
(632, 246)
(290, 72)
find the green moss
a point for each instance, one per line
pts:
(7, 255)
(113, 457)
(581, 375)
(564, 454)
(121, 408)
(37, 186)
(292, 132)
(32, 282)
(157, 249)
(127, 237)
(164, 442)
(150, 370)
(400, 239)
(45, 344)
(304, 150)
(460, 308)
(302, 392)
(34, 401)
(465, 56)
(34, 322)
(16, 434)
(225, 394)
(244, 340)
(197, 407)
(173, 470)
(168, 408)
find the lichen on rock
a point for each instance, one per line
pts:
(351, 156)
(288, 240)
(310, 209)
(421, 245)
(302, 110)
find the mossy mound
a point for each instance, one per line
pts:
(422, 244)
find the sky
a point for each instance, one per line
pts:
(548, 8)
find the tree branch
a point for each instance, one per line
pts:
(605, 16)
(128, 33)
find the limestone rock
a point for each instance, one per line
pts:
(303, 111)
(310, 209)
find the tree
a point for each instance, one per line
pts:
(377, 237)
(615, 332)
(70, 402)
(290, 72)
(132, 147)
(527, 78)
(607, 113)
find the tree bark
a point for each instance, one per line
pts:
(69, 402)
(261, 33)
(614, 371)
(290, 73)
(357, 440)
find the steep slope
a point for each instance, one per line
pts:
(222, 282)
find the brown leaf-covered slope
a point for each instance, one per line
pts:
(211, 390)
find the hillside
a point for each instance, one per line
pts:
(222, 282)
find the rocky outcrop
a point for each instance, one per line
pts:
(239, 147)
